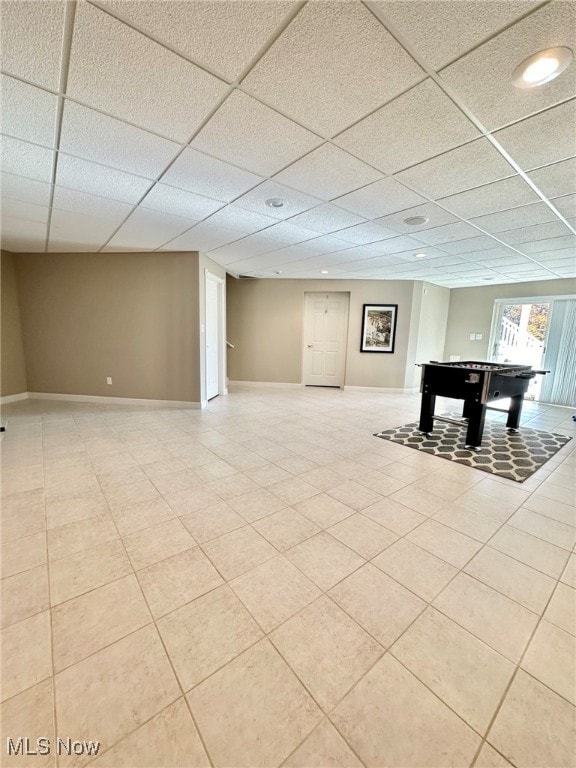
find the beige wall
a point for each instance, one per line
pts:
(265, 323)
(13, 369)
(471, 311)
(131, 316)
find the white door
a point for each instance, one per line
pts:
(325, 333)
(212, 336)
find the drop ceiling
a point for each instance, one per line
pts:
(167, 126)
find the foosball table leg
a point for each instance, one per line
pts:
(427, 413)
(476, 418)
(513, 421)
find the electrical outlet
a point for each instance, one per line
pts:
(109, 380)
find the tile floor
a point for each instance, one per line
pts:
(264, 584)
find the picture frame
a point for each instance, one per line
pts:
(379, 328)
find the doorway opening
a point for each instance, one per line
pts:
(214, 336)
(325, 337)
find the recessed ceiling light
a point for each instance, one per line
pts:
(415, 221)
(419, 255)
(487, 278)
(542, 67)
(274, 202)
(277, 271)
(323, 271)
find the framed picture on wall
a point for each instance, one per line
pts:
(378, 327)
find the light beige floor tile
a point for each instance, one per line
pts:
(142, 515)
(118, 476)
(420, 501)
(474, 501)
(182, 480)
(256, 504)
(472, 524)
(296, 465)
(562, 608)
(535, 726)
(569, 574)
(545, 557)
(266, 476)
(79, 573)
(323, 510)
(237, 552)
(324, 559)
(403, 472)
(447, 488)
(111, 693)
(446, 543)
(87, 623)
(292, 490)
(464, 672)
(415, 568)
(355, 495)
(516, 580)
(156, 469)
(394, 516)
(215, 470)
(557, 510)
(213, 521)
(168, 740)
(381, 483)
(545, 528)
(363, 535)
(26, 654)
(551, 659)
(23, 595)
(324, 748)
(286, 528)
(253, 712)
(327, 649)
(563, 494)
(77, 537)
(349, 468)
(178, 580)
(503, 624)
(489, 758)
(157, 543)
(502, 491)
(378, 603)
(322, 478)
(192, 499)
(207, 633)
(229, 487)
(390, 719)
(23, 515)
(22, 554)
(122, 496)
(72, 510)
(31, 714)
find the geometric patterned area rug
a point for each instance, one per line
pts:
(515, 455)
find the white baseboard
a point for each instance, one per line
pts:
(113, 400)
(385, 390)
(266, 384)
(13, 398)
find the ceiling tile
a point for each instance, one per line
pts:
(490, 198)
(565, 205)
(544, 257)
(124, 73)
(28, 112)
(74, 228)
(73, 201)
(396, 245)
(247, 247)
(552, 244)
(102, 139)
(436, 217)
(459, 230)
(264, 140)
(326, 244)
(22, 235)
(328, 172)
(555, 180)
(23, 159)
(379, 199)
(454, 26)
(31, 40)
(286, 233)
(27, 190)
(294, 202)
(470, 245)
(542, 139)
(326, 219)
(417, 125)
(366, 233)
(463, 168)
(483, 78)
(178, 202)
(524, 215)
(203, 237)
(241, 220)
(197, 172)
(332, 65)
(536, 232)
(27, 211)
(99, 180)
(146, 229)
(222, 36)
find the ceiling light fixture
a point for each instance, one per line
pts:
(277, 271)
(542, 67)
(323, 271)
(419, 255)
(274, 202)
(415, 221)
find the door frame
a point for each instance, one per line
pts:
(221, 314)
(345, 339)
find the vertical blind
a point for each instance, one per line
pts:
(559, 387)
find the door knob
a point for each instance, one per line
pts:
(310, 345)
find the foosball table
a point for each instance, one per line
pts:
(477, 384)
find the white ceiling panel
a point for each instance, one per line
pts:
(328, 172)
(27, 190)
(99, 180)
(242, 220)
(167, 95)
(27, 211)
(87, 244)
(417, 125)
(146, 229)
(379, 199)
(326, 219)
(333, 65)
(326, 244)
(536, 232)
(396, 245)
(28, 112)
(463, 168)
(544, 257)
(443, 31)
(23, 235)
(525, 215)
(204, 175)
(286, 233)
(293, 202)
(436, 217)
(74, 228)
(551, 244)
(555, 180)
(102, 139)
(247, 247)
(369, 232)
(483, 78)
(565, 205)
(470, 245)
(523, 141)
(221, 36)
(264, 140)
(203, 237)
(178, 202)
(447, 233)
(490, 198)
(73, 201)
(31, 40)
(28, 160)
